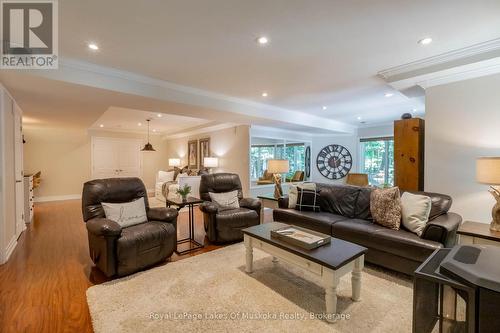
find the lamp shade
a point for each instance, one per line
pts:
(488, 170)
(210, 162)
(174, 162)
(278, 166)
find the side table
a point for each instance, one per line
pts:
(190, 202)
(477, 233)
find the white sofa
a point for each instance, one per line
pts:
(172, 186)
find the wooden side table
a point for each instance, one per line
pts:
(478, 233)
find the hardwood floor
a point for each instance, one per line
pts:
(43, 285)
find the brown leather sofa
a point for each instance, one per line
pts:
(223, 224)
(122, 251)
(345, 214)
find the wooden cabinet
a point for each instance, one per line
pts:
(409, 142)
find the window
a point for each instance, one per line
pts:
(293, 152)
(377, 160)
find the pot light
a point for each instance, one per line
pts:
(262, 40)
(389, 95)
(359, 118)
(324, 108)
(414, 109)
(425, 41)
(154, 130)
(159, 115)
(264, 94)
(101, 126)
(139, 124)
(93, 46)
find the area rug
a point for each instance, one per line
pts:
(212, 293)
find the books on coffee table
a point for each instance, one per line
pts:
(307, 239)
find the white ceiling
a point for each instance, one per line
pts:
(130, 120)
(321, 52)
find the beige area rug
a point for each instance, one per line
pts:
(212, 293)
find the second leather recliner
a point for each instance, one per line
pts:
(223, 224)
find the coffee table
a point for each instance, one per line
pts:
(330, 262)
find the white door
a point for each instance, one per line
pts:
(129, 158)
(113, 157)
(18, 151)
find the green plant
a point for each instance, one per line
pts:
(184, 191)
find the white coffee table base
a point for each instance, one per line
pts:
(329, 276)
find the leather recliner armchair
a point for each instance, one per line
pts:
(122, 251)
(223, 224)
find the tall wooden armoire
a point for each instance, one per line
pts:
(409, 145)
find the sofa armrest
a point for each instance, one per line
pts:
(443, 229)
(209, 207)
(283, 202)
(104, 227)
(162, 214)
(251, 203)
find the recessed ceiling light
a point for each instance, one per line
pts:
(93, 46)
(389, 95)
(264, 94)
(425, 41)
(262, 40)
(139, 124)
(154, 130)
(101, 126)
(324, 108)
(414, 109)
(159, 115)
(359, 118)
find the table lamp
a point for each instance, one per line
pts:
(210, 162)
(488, 172)
(277, 167)
(174, 162)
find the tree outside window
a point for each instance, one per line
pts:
(377, 160)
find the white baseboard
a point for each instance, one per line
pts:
(10, 248)
(58, 197)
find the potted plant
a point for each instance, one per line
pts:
(184, 191)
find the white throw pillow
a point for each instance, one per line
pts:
(126, 214)
(293, 192)
(226, 199)
(165, 176)
(416, 209)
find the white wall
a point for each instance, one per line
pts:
(230, 145)
(462, 123)
(7, 177)
(63, 155)
(351, 142)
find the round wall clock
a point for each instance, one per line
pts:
(334, 161)
(308, 161)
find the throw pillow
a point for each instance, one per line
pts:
(416, 209)
(165, 176)
(385, 206)
(307, 200)
(126, 214)
(225, 199)
(293, 192)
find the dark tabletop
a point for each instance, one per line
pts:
(267, 197)
(180, 202)
(480, 230)
(333, 255)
